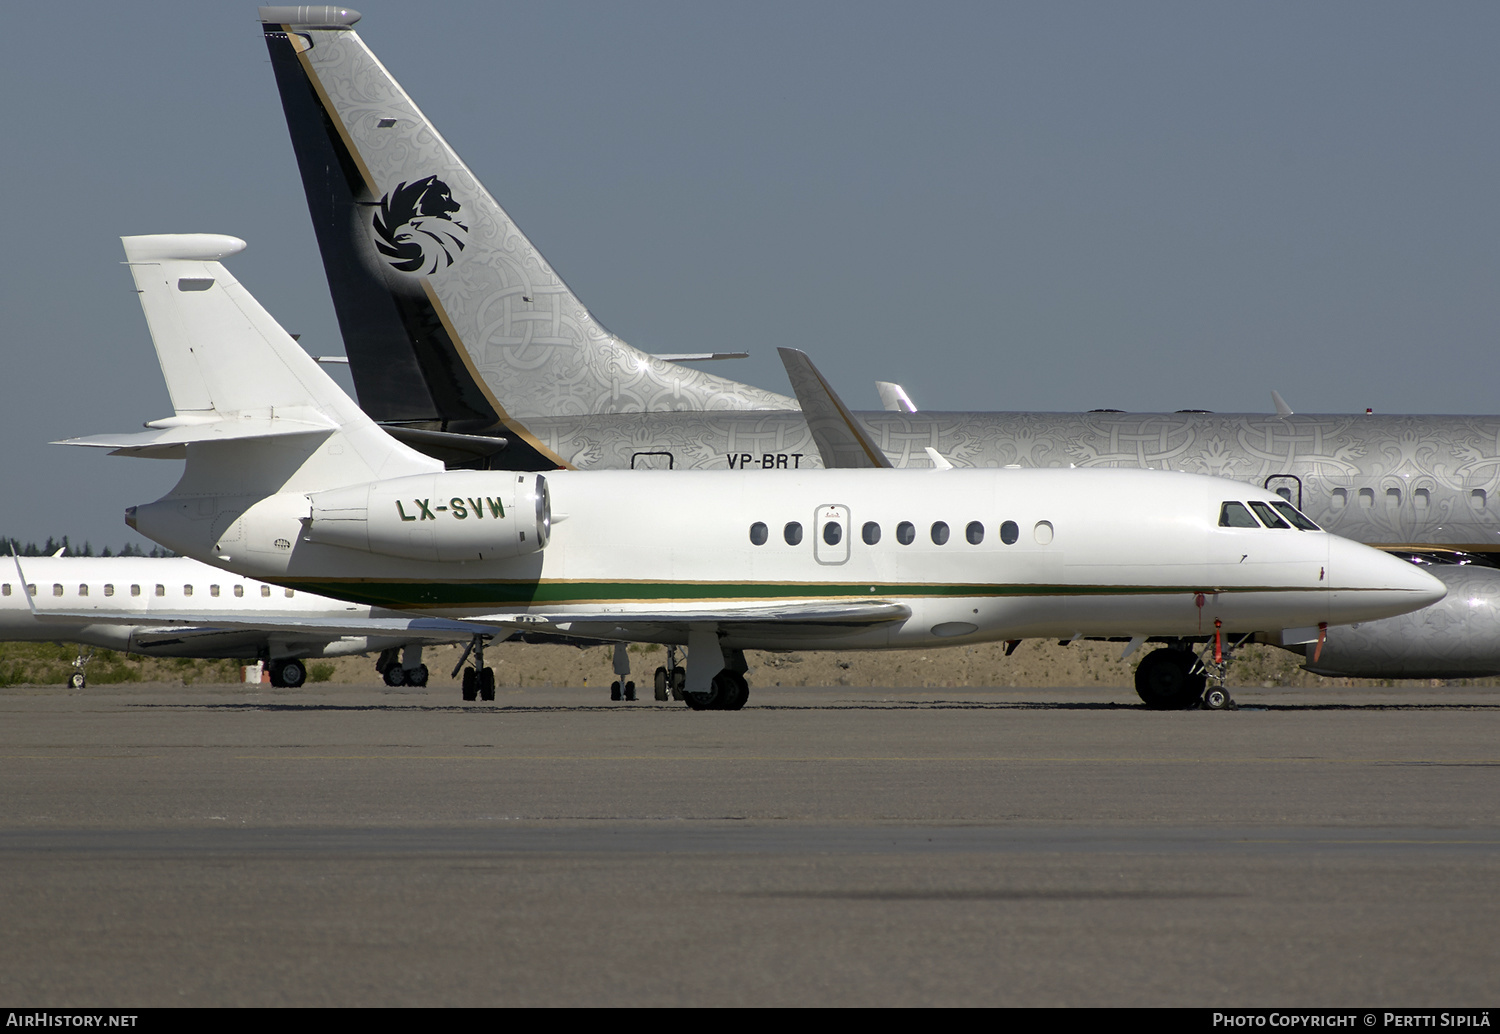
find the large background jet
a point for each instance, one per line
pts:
(454, 322)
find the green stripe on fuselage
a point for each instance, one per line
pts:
(420, 595)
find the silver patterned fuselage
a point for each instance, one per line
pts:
(1418, 482)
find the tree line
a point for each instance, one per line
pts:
(13, 547)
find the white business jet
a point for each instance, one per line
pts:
(239, 617)
(287, 480)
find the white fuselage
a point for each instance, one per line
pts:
(118, 589)
(1091, 552)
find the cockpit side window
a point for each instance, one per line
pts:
(1268, 516)
(1298, 519)
(1234, 515)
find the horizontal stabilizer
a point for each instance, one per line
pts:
(139, 442)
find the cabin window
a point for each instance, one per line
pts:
(1477, 499)
(1267, 515)
(833, 533)
(187, 590)
(870, 533)
(239, 590)
(57, 590)
(906, 533)
(1234, 515)
(939, 533)
(83, 590)
(135, 590)
(161, 590)
(265, 590)
(213, 590)
(1009, 532)
(792, 533)
(1367, 498)
(31, 589)
(290, 593)
(109, 590)
(759, 533)
(1295, 515)
(1340, 499)
(974, 532)
(1421, 499)
(1392, 498)
(1042, 532)
(5, 589)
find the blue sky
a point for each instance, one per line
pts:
(1050, 206)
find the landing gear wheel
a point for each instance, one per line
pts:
(678, 683)
(1218, 699)
(487, 684)
(1163, 681)
(614, 690)
(415, 676)
(708, 701)
(660, 685)
(289, 674)
(630, 691)
(736, 691)
(77, 681)
(471, 684)
(395, 675)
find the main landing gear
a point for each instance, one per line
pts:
(621, 688)
(410, 671)
(1176, 679)
(478, 681)
(670, 679)
(288, 672)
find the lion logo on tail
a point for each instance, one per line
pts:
(415, 229)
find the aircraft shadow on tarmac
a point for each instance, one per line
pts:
(929, 705)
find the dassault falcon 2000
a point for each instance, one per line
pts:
(287, 480)
(462, 340)
(116, 599)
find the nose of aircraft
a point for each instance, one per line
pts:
(1369, 584)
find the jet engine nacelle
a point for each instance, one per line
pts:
(1456, 637)
(455, 516)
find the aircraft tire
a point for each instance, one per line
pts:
(1163, 683)
(415, 676)
(395, 675)
(1217, 699)
(293, 673)
(487, 684)
(471, 684)
(630, 691)
(709, 701)
(737, 691)
(660, 685)
(77, 680)
(614, 690)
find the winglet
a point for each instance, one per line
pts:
(1282, 409)
(841, 439)
(939, 461)
(894, 397)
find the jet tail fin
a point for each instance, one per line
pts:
(450, 315)
(254, 413)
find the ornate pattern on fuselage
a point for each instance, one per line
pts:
(1391, 480)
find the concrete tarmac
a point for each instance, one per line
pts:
(361, 845)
